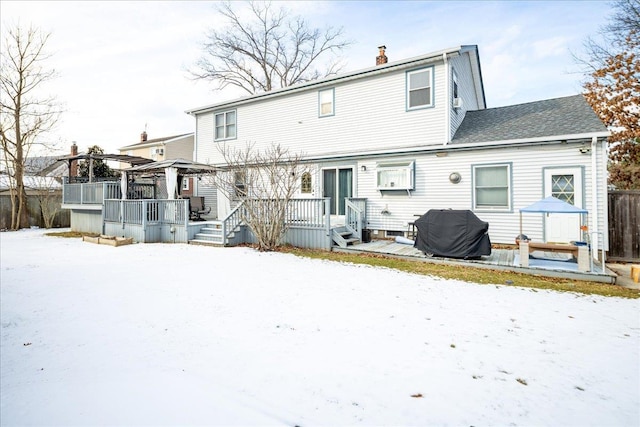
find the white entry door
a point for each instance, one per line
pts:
(564, 184)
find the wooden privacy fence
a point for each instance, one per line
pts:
(624, 226)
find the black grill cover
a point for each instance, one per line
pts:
(452, 234)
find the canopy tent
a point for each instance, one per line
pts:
(551, 205)
(132, 160)
(184, 167)
(173, 169)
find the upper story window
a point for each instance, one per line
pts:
(420, 88)
(492, 187)
(326, 102)
(456, 101)
(305, 184)
(225, 125)
(455, 85)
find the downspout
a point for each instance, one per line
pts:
(194, 156)
(447, 113)
(594, 194)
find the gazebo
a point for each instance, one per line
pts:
(173, 169)
(580, 249)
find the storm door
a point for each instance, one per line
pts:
(566, 185)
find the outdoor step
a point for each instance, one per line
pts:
(205, 243)
(208, 237)
(352, 240)
(208, 230)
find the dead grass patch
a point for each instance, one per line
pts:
(470, 274)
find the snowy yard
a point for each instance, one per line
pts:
(162, 334)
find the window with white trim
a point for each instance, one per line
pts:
(492, 187)
(419, 88)
(395, 175)
(185, 183)
(240, 184)
(326, 102)
(225, 125)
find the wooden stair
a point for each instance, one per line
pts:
(343, 237)
(209, 235)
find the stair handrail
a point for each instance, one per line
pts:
(354, 216)
(231, 222)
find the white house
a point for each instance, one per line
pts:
(416, 134)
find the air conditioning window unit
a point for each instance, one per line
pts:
(457, 102)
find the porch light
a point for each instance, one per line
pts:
(363, 168)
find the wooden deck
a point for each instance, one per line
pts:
(500, 259)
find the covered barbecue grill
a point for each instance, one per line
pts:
(452, 234)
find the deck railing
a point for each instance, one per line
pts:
(299, 214)
(146, 211)
(91, 193)
(94, 193)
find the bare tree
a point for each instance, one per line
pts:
(612, 88)
(263, 183)
(24, 116)
(273, 50)
(47, 191)
(624, 20)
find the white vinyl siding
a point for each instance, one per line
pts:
(461, 66)
(225, 125)
(420, 88)
(433, 190)
(326, 101)
(292, 121)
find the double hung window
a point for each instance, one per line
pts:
(225, 125)
(420, 88)
(492, 187)
(326, 102)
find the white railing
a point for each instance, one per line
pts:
(94, 193)
(355, 215)
(299, 213)
(146, 211)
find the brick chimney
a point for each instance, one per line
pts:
(143, 136)
(73, 165)
(382, 58)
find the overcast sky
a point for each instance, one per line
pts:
(122, 64)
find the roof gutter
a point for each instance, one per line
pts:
(433, 149)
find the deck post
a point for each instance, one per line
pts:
(327, 220)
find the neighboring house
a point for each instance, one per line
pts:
(43, 186)
(158, 149)
(416, 134)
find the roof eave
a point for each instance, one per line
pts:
(566, 137)
(362, 73)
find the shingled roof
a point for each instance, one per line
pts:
(552, 117)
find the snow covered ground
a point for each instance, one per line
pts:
(161, 334)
